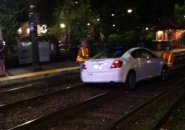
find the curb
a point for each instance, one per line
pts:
(11, 80)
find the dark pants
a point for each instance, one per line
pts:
(2, 68)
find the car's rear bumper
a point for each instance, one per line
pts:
(103, 77)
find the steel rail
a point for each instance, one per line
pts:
(62, 114)
(65, 90)
(148, 103)
(32, 85)
(11, 87)
(167, 114)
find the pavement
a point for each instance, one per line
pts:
(27, 74)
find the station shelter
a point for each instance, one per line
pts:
(24, 45)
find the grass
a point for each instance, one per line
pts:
(179, 118)
(180, 113)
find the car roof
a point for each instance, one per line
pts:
(135, 48)
(127, 49)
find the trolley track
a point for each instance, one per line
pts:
(36, 89)
(106, 115)
(174, 118)
(91, 108)
(27, 85)
(137, 119)
(96, 114)
(26, 110)
(41, 96)
(39, 122)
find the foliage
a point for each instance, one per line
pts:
(149, 35)
(115, 37)
(179, 14)
(75, 16)
(126, 36)
(9, 14)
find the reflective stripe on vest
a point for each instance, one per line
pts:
(84, 53)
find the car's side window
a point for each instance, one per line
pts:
(146, 54)
(135, 54)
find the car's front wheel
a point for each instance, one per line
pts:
(131, 80)
(164, 73)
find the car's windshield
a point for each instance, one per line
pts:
(110, 53)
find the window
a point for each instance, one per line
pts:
(146, 54)
(135, 54)
(110, 53)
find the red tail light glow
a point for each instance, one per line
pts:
(117, 64)
(84, 66)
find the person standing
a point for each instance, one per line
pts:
(83, 54)
(2, 58)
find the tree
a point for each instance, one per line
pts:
(9, 14)
(179, 14)
(112, 15)
(75, 15)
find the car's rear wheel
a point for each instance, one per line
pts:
(164, 73)
(131, 80)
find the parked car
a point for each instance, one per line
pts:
(118, 65)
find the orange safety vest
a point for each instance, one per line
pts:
(83, 56)
(168, 57)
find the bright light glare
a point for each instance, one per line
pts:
(146, 28)
(4, 43)
(129, 11)
(160, 32)
(98, 19)
(20, 31)
(28, 31)
(44, 28)
(62, 25)
(112, 14)
(159, 36)
(113, 25)
(88, 24)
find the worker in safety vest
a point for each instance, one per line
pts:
(83, 53)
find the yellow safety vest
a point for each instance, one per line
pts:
(84, 53)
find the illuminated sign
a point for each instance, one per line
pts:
(44, 28)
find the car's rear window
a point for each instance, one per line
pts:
(110, 53)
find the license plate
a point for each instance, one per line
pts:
(97, 66)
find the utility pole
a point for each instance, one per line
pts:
(33, 34)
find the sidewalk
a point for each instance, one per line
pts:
(26, 74)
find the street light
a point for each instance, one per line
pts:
(62, 25)
(129, 11)
(146, 28)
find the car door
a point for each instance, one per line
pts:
(150, 62)
(139, 64)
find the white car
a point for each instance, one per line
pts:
(123, 66)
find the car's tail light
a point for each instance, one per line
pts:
(84, 66)
(117, 64)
